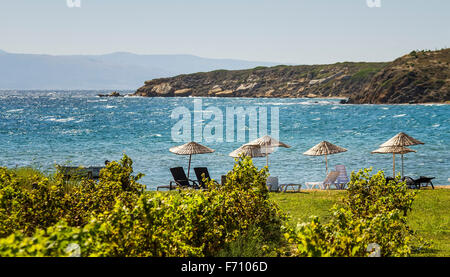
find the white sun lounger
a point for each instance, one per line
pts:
(342, 179)
(272, 184)
(329, 180)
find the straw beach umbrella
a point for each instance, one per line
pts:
(190, 148)
(252, 151)
(325, 148)
(394, 150)
(267, 143)
(401, 140)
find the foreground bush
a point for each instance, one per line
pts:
(372, 211)
(40, 216)
(114, 218)
(40, 201)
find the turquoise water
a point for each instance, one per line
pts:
(43, 128)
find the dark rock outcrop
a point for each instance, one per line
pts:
(112, 94)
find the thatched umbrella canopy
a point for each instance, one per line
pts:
(394, 150)
(252, 151)
(325, 148)
(190, 148)
(267, 143)
(401, 140)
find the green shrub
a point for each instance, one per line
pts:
(114, 218)
(372, 211)
(27, 176)
(40, 202)
(243, 204)
(364, 73)
(369, 195)
(26, 208)
(56, 240)
(251, 244)
(116, 183)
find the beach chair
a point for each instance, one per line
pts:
(295, 187)
(180, 180)
(417, 183)
(94, 172)
(331, 180)
(72, 172)
(410, 182)
(272, 184)
(326, 184)
(200, 172)
(223, 179)
(342, 179)
(388, 179)
(426, 180)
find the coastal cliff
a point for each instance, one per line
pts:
(419, 77)
(415, 78)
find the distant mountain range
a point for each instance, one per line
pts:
(114, 71)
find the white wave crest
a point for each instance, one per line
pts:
(400, 115)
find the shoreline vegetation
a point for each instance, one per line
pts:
(46, 215)
(418, 77)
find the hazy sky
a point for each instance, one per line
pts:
(287, 31)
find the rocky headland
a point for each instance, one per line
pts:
(418, 77)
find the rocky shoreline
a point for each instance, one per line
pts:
(419, 77)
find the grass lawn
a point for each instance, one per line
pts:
(430, 216)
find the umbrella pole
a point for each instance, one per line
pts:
(189, 167)
(393, 170)
(402, 165)
(326, 164)
(267, 158)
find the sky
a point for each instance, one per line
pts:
(282, 31)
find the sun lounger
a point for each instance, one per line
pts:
(410, 182)
(223, 179)
(342, 179)
(426, 181)
(72, 172)
(417, 183)
(180, 180)
(201, 172)
(272, 184)
(295, 187)
(326, 184)
(312, 185)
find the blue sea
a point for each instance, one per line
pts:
(44, 128)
